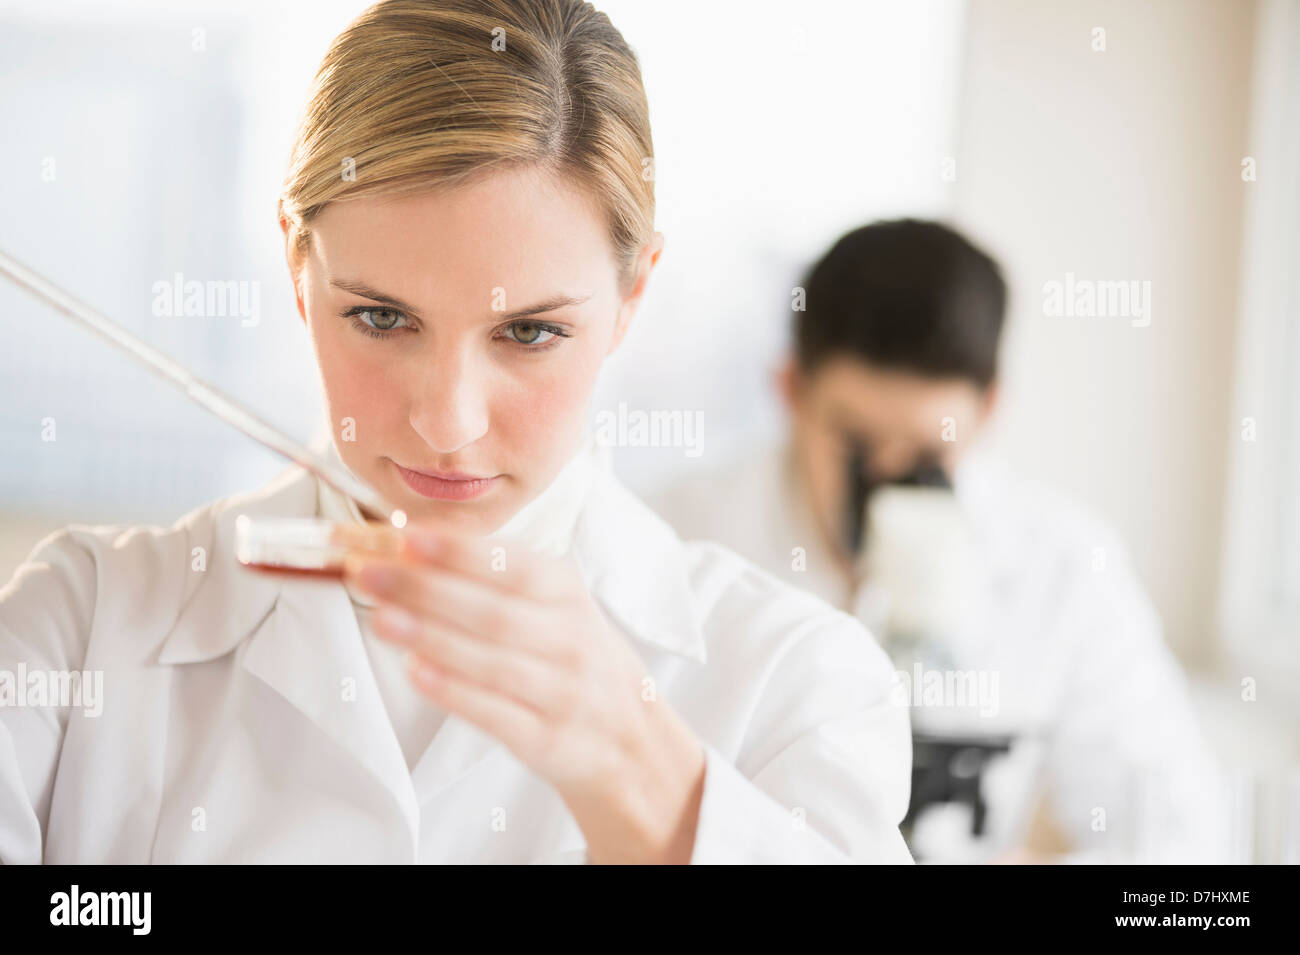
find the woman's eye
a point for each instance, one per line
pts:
(382, 319)
(530, 333)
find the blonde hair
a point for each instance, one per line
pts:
(419, 94)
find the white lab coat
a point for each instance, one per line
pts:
(1109, 740)
(226, 735)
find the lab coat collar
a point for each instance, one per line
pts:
(636, 566)
(300, 637)
(233, 601)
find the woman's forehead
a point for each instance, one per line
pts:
(516, 231)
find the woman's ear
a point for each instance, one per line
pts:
(786, 379)
(645, 264)
(295, 267)
(989, 405)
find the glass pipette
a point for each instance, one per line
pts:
(221, 405)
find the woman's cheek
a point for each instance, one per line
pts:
(547, 413)
(539, 412)
(358, 387)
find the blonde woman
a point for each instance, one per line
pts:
(545, 672)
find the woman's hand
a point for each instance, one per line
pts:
(513, 642)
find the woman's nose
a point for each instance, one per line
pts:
(450, 411)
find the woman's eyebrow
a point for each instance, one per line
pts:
(546, 305)
(365, 291)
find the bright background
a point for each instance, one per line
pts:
(777, 127)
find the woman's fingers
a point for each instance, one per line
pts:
(503, 564)
(513, 723)
(455, 601)
(511, 672)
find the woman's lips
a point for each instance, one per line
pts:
(446, 485)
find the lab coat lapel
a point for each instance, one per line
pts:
(302, 636)
(223, 601)
(304, 642)
(310, 652)
(456, 748)
(637, 568)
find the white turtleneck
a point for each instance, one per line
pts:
(545, 524)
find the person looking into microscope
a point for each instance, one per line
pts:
(1020, 630)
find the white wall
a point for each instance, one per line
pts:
(1122, 164)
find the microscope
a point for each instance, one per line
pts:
(914, 611)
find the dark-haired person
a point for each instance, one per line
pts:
(1013, 615)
